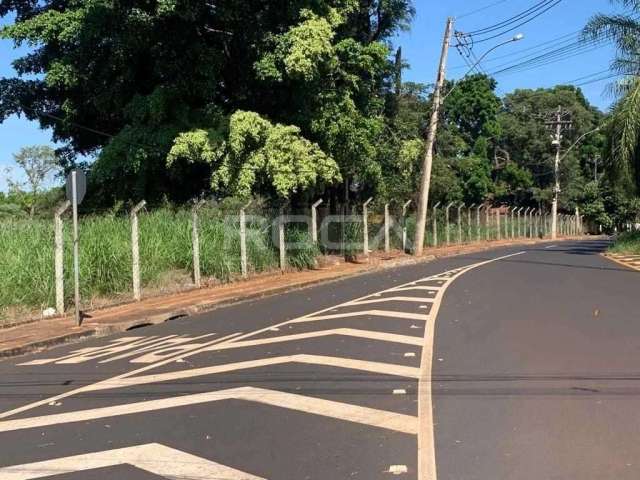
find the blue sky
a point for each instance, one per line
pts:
(421, 48)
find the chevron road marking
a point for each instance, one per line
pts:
(423, 427)
(152, 457)
(377, 313)
(415, 287)
(347, 332)
(76, 391)
(340, 362)
(317, 406)
(388, 299)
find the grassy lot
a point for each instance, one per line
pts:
(627, 243)
(27, 267)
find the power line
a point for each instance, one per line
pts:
(547, 51)
(589, 76)
(515, 18)
(481, 9)
(556, 2)
(533, 47)
(596, 80)
(564, 53)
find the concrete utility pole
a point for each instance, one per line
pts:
(558, 122)
(425, 183)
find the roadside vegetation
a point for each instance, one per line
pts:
(27, 265)
(627, 243)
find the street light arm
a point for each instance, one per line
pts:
(597, 129)
(516, 38)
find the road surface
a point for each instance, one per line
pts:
(518, 363)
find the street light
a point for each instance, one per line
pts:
(515, 38)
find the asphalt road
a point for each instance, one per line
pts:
(519, 363)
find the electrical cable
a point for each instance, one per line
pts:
(557, 2)
(511, 20)
(481, 9)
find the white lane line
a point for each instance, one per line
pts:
(152, 457)
(387, 299)
(347, 332)
(426, 434)
(550, 246)
(376, 313)
(340, 362)
(317, 406)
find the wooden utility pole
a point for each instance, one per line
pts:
(423, 200)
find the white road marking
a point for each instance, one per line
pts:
(376, 313)
(153, 457)
(426, 435)
(416, 287)
(399, 391)
(75, 391)
(340, 362)
(348, 332)
(387, 299)
(426, 450)
(317, 406)
(398, 469)
(550, 246)
(132, 341)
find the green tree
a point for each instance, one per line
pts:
(38, 163)
(623, 131)
(525, 137)
(124, 80)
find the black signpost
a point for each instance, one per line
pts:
(76, 189)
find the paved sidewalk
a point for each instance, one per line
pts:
(41, 334)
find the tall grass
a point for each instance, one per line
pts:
(26, 253)
(627, 243)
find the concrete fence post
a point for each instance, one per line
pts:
(519, 222)
(135, 250)
(526, 222)
(387, 240)
(498, 227)
(281, 240)
(531, 223)
(469, 222)
(59, 255)
(435, 224)
(314, 221)
(195, 241)
(513, 225)
(446, 221)
(478, 226)
(506, 223)
(365, 226)
(243, 242)
(404, 225)
(487, 222)
(460, 207)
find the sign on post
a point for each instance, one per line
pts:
(76, 188)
